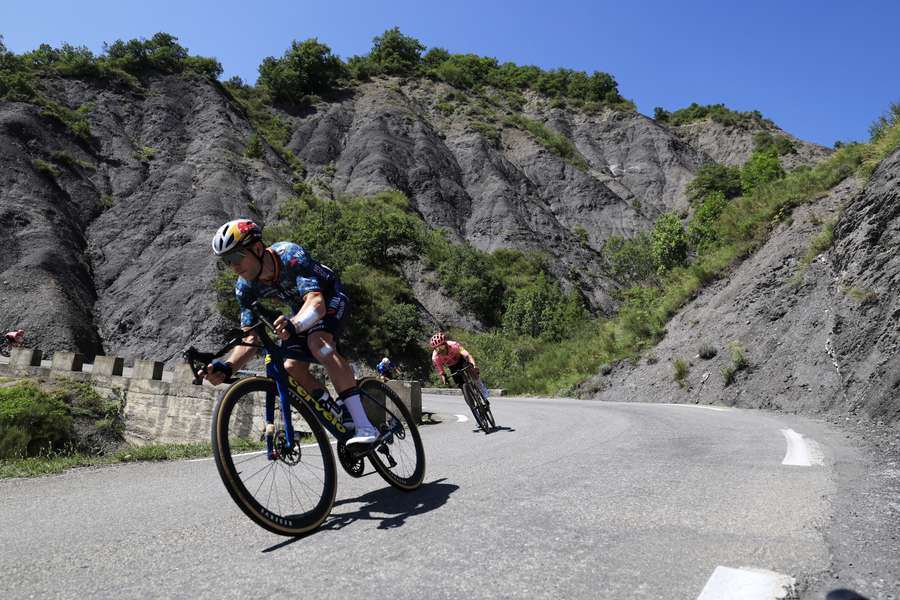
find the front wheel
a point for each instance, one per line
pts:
(398, 456)
(473, 396)
(4, 349)
(290, 493)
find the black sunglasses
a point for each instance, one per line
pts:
(233, 257)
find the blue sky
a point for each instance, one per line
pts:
(823, 70)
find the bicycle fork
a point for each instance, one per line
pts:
(285, 403)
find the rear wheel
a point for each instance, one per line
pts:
(399, 456)
(290, 493)
(4, 348)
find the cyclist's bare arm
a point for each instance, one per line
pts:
(312, 311)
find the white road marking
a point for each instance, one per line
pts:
(800, 451)
(719, 408)
(747, 584)
(461, 418)
(255, 452)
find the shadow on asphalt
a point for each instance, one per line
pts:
(392, 507)
(499, 428)
(844, 595)
(388, 505)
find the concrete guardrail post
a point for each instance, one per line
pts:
(22, 358)
(67, 362)
(108, 366)
(147, 369)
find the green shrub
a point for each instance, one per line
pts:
(701, 230)
(254, 147)
(396, 54)
(763, 141)
(762, 167)
(160, 54)
(631, 262)
(885, 122)
(669, 241)
(32, 421)
(306, 68)
(542, 310)
(718, 113)
(712, 178)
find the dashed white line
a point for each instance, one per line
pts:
(800, 451)
(461, 418)
(747, 584)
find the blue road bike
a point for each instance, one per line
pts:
(271, 447)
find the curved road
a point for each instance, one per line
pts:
(572, 499)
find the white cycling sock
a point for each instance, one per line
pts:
(354, 405)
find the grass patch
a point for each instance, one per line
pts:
(553, 141)
(146, 154)
(61, 157)
(680, 369)
(50, 463)
(48, 169)
(862, 295)
(819, 244)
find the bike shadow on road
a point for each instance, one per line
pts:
(496, 429)
(389, 506)
(392, 507)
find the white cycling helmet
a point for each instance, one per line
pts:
(234, 234)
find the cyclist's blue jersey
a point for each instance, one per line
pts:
(385, 367)
(296, 275)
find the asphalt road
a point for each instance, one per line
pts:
(570, 499)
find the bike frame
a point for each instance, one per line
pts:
(286, 386)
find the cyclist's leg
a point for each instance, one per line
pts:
(299, 370)
(323, 346)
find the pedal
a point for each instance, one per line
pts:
(383, 449)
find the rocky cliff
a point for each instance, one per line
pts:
(822, 338)
(107, 236)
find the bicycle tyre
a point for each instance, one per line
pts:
(410, 449)
(4, 349)
(471, 397)
(485, 409)
(250, 501)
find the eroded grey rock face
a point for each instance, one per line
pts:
(112, 253)
(820, 339)
(733, 145)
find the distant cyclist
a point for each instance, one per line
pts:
(387, 369)
(319, 308)
(15, 338)
(454, 357)
(12, 339)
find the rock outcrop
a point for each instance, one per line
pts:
(820, 339)
(108, 239)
